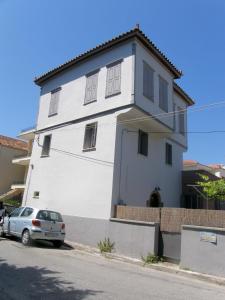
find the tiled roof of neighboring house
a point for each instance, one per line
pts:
(190, 162)
(13, 143)
(216, 166)
(134, 33)
(183, 94)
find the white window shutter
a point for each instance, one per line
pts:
(54, 103)
(117, 75)
(91, 88)
(113, 81)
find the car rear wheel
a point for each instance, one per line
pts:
(26, 239)
(57, 244)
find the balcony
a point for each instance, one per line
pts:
(137, 118)
(23, 160)
(27, 133)
(18, 185)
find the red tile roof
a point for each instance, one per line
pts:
(216, 166)
(190, 162)
(13, 143)
(134, 33)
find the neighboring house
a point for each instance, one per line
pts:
(107, 132)
(192, 194)
(24, 159)
(11, 176)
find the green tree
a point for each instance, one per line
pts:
(214, 189)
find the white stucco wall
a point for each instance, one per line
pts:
(179, 103)
(140, 174)
(143, 55)
(70, 182)
(73, 83)
(9, 172)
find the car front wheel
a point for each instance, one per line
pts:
(57, 244)
(26, 239)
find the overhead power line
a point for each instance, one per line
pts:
(161, 115)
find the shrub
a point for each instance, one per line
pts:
(106, 246)
(151, 259)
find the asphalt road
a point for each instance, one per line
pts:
(44, 272)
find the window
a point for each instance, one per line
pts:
(163, 94)
(113, 81)
(27, 212)
(181, 120)
(143, 143)
(169, 154)
(148, 82)
(46, 145)
(90, 136)
(16, 212)
(48, 215)
(91, 87)
(36, 194)
(54, 102)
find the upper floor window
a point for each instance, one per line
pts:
(54, 102)
(46, 145)
(148, 81)
(113, 81)
(91, 87)
(90, 136)
(143, 143)
(169, 154)
(163, 94)
(181, 120)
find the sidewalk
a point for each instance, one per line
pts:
(161, 266)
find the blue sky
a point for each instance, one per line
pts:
(36, 36)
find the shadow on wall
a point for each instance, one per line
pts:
(37, 283)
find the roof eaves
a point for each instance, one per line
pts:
(183, 94)
(119, 39)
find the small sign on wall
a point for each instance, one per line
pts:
(208, 237)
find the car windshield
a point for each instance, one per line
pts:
(48, 215)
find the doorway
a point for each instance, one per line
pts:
(155, 200)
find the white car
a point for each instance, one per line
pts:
(29, 223)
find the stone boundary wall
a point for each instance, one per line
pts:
(202, 249)
(131, 238)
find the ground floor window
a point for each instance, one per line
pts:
(90, 136)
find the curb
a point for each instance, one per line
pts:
(172, 269)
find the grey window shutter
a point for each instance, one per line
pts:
(148, 82)
(181, 121)
(54, 103)
(91, 88)
(163, 94)
(90, 136)
(113, 80)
